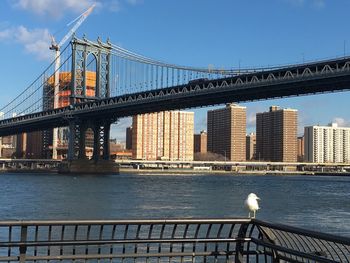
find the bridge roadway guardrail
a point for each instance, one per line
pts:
(173, 240)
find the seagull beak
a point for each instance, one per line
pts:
(258, 198)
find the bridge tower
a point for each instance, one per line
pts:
(85, 53)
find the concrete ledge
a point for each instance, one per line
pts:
(89, 167)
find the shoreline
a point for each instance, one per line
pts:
(222, 172)
(123, 170)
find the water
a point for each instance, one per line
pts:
(317, 203)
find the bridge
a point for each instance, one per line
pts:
(101, 82)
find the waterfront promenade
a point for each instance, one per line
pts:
(256, 167)
(187, 167)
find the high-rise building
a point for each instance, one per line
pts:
(164, 135)
(200, 142)
(227, 132)
(34, 145)
(128, 144)
(251, 146)
(327, 144)
(276, 135)
(301, 149)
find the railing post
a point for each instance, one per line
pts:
(23, 246)
(239, 257)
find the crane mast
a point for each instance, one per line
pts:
(56, 47)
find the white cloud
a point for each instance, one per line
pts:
(36, 41)
(53, 8)
(341, 122)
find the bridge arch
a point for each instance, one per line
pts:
(90, 71)
(91, 75)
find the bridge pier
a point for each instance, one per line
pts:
(101, 140)
(77, 161)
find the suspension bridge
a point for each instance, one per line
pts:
(100, 82)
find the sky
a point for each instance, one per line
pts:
(223, 33)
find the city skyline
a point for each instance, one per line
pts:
(135, 130)
(25, 28)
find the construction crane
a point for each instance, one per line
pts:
(56, 47)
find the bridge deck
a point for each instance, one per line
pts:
(326, 76)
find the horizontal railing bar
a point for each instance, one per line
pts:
(123, 222)
(132, 255)
(121, 241)
(303, 232)
(291, 251)
(13, 258)
(137, 255)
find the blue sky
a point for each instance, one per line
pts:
(224, 33)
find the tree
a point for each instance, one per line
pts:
(208, 156)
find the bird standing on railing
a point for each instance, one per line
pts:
(252, 204)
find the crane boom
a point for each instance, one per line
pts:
(77, 25)
(80, 19)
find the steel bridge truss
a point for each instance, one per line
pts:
(173, 240)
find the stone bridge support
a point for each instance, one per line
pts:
(77, 161)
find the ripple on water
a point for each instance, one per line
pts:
(317, 203)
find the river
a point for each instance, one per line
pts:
(320, 203)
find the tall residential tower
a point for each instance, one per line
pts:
(227, 132)
(166, 135)
(276, 135)
(327, 144)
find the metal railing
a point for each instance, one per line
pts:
(176, 240)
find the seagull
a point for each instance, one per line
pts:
(252, 204)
